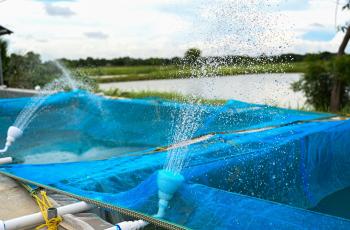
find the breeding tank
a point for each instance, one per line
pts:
(244, 166)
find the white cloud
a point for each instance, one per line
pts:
(96, 35)
(54, 10)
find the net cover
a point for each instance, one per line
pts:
(246, 166)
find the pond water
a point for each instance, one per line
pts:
(272, 89)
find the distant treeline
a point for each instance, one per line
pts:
(227, 60)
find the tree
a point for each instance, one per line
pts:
(28, 71)
(192, 55)
(316, 84)
(4, 58)
(338, 88)
(318, 80)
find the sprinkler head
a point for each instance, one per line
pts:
(12, 134)
(168, 183)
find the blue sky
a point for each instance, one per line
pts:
(294, 5)
(318, 35)
(166, 28)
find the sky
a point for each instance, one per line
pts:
(167, 28)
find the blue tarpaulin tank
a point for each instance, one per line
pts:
(248, 166)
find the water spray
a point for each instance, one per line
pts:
(12, 134)
(168, 183)
(30, 111)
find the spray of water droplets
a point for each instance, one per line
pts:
(34, 106)
(225, 27)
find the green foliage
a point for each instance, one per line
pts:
(121, 61)
(340, 67)
(162, 95)
(324, 56)
(135, 73)
(124, 70)
(28, 71)
(90, 62)
(318, 80)
(316, 85)
(89, 83)
(4, 57)
(192, 55)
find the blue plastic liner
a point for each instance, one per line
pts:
(262, 179)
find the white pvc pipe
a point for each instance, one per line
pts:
(129, 225)
(5, 160)
(37, 218)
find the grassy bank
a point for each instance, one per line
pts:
(162, 95)
(135, 73)
(171, 96)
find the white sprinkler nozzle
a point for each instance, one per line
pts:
(168, 183)
(12, 134)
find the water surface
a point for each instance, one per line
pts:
(272, 89)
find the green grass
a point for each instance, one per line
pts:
(136, 73)
(183, 98)
(121, 70)
(162, 95)
(267, 68)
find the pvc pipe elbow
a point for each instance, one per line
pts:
(4, 151)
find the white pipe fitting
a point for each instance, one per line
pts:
(4, 150)
(37, 218)
(168, 183)
(129, 225)
(2, 225)
(5, 160)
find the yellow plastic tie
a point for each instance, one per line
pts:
(44, 204)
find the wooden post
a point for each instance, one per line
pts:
(338, 88)
(1, 73)
(3, 31)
